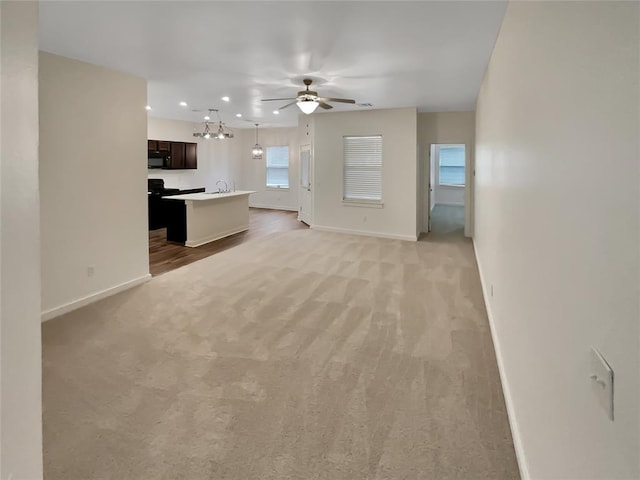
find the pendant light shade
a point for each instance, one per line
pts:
(257, 149)
(307, 106)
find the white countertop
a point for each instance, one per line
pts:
(205, 196)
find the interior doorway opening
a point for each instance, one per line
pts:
(447, 188)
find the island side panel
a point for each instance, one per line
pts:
(212, 220)
(175, 215)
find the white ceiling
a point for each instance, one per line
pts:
(424, 54)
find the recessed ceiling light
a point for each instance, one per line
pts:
(207, 117)
(238, 115)
(148, 107)
(276, 112)
(225, 99)
(183, 104)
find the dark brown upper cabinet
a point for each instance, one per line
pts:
(182, 155)
(191, 155)
(177, 155)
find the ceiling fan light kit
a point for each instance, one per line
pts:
(308, 100)
(308, 106)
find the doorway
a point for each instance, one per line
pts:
(305, 207)
(447, 183)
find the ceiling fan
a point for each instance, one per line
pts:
(308, 100)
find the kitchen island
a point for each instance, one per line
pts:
(198, 218)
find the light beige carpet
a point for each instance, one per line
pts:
(303, 355)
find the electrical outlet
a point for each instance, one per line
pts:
(91, 270)
(601, 375)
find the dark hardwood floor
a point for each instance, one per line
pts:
(165, 256)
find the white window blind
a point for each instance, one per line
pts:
(278, 167)
(363, 168)
(451, 165)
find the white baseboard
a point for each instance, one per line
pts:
(411, 238)
(506, 391)
(94, 297)
(273, 207)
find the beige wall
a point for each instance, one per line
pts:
(398, 127)
(556, 233)
(93, 170)
(446, 127)
(215, 157)
(20, 346)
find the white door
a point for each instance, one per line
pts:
(305, 209)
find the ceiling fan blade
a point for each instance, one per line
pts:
(326, 106)
(277, 99)
(287, 105)
(341, 100)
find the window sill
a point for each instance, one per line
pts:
(363, 203)
(278, 189)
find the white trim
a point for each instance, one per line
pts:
(323, 228)
(506, 391)
(273, 207)
(347, 202)
(217, 236)
(94, 297)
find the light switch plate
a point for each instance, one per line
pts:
(601, 376)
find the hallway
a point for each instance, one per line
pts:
(448, 220)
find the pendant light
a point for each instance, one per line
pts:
(257, 149)
(220, 134)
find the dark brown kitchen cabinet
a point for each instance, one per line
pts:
(177, 155)
(191, 155)
(158, 146)
(180, 155)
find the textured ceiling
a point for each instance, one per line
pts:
(429, 55)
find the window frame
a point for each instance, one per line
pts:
(362, 202)
(267, 167)
(438, 177)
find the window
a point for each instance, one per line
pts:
(363, 168)
(278, 167)
(451, 165)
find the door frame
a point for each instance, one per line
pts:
(306, 189)
(469, 172)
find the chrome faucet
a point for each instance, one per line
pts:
(226, 188)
